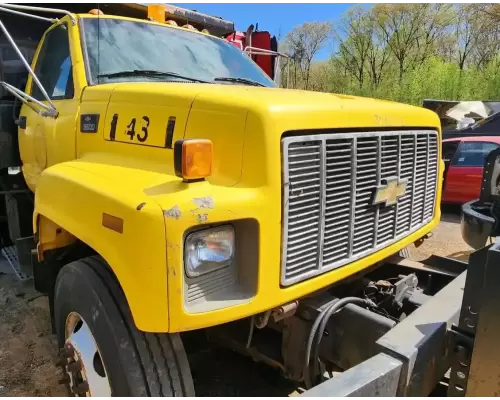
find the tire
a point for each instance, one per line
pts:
(135, 363)
(404, 253)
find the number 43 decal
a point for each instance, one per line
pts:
(131, 130)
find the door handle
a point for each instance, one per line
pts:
(21, 122)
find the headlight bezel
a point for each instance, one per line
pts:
(191, 236)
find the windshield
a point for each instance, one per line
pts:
(115, 45)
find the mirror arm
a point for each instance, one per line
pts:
(39, 9)
(7, 10)
(28, 100)
(26, 64)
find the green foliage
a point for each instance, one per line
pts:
(405, 53)
(433, 79)
(302, 43)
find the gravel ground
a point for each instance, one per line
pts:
(28, 349)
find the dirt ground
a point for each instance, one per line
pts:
(446, 239)
(28, 349)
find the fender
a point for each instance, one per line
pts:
(104, 207)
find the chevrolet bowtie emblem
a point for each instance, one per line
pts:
(390, 190)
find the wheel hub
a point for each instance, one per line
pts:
(80, 358)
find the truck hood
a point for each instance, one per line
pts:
(246, 124)
(243, 120)
(274, 101)
(286, 101)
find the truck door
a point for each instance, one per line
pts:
(46, 140)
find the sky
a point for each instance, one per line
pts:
(273, 17)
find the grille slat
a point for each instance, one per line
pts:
(206, 285)
(300, 245)
(329, 184)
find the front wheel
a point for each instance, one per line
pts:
(102, 352)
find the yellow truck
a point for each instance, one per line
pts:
(163, 183)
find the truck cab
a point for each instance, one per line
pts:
(176, 187)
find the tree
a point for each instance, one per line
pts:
(446, 46)
(468, 27)
(437, 18)
(304, 42)
(401, 26)
(449, 52)
(320, 76)
(487, 42)
(355, 41)
(491, 10)
(378, 53)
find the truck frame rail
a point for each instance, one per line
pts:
(450, 340)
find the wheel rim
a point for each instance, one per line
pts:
(86, 374)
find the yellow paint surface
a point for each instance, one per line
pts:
(77, 177)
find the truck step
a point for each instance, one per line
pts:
(10, 256)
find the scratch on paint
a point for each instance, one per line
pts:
(203, 203)
(174, 212)
(202, 218)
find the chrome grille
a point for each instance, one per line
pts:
(329, 184)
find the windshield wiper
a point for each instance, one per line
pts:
(238, 80)
(146, 72)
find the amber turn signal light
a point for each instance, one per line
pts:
(156, 12)
(193, 159)
(96, 11)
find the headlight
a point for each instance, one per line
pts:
(209, 250)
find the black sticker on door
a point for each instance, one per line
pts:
(89, 123)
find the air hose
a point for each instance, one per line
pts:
(320, 322)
